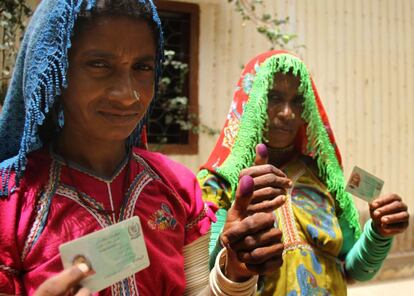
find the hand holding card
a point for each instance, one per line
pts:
(389, 215)
(66, 282)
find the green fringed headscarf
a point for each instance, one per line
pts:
(246, 121)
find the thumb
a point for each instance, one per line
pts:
(262, 155)
(243, 196)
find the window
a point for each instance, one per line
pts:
(176, 112)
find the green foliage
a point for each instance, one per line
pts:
(268, 25)
(13, 16)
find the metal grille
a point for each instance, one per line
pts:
(169, 121)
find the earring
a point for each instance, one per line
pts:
(137, 96)
(60, 117)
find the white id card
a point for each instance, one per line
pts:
(364, 185)
(113, 253)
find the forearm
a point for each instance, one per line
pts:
(367, 255)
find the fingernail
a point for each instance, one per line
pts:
(83, 267)
(377, 213)
(375, 204)
(224, 243)
(290, 183)
(385, 220)
(262, 150)
(246, 186)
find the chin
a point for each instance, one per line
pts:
(118, 135)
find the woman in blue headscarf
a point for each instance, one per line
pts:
(73, 161)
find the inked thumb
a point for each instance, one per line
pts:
(243, 196)
(262, 155)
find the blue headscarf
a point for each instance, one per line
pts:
(39, 77)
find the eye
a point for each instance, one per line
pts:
(146, 67)
(98, 64)
(273, 97)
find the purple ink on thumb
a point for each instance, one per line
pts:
(262, 150)
(246, 186)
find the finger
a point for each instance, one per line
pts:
(395, 218)
(261, 255)
(261, 239)
(271, 180)
(249, 225)
(267, 193)
(268, 267)
(259, 170)
(83, 292)
(391, 208)
(243, 196)
(383, 200)
(262, 155)
(267, 206)
(63, 282)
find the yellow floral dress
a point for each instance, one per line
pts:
(311, 234)
(312, 237)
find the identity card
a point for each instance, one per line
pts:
(364, 185)
(113, 254)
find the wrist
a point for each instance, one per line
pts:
(233, 274)
(220, 284)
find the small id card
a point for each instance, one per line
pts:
(113, 254)
(364, 185)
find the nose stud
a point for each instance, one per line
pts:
(137, 96)
(293, 116)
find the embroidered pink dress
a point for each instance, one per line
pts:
(56, 203)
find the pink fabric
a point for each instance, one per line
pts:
(163, 194)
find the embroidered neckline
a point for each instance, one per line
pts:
(73, 165)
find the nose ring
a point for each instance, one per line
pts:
(293, 116)
(137, 95)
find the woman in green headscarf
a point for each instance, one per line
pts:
(276, 103)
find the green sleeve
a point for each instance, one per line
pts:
(348, 237)
(367, 255)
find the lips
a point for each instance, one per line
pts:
(118, 117)
(282, 129)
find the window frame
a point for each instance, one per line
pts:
(194, 11)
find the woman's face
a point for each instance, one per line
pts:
(110, 78)
(284, 110)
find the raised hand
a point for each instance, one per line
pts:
(270, 183)
(389, 215)
(253, 243)
(65, 283)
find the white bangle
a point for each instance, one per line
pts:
(221, 285)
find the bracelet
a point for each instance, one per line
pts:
(221, 285)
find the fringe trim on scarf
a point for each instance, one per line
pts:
(50, 67)
(251, 133)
